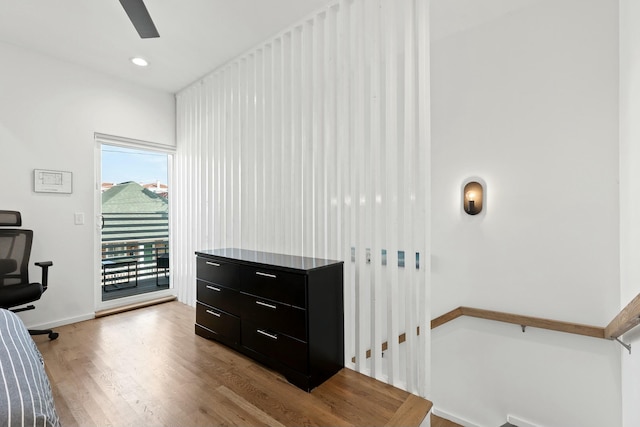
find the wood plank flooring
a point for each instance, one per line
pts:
(147, 367)
(441, 422)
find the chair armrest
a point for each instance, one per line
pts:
(44, 264)
(45, 272)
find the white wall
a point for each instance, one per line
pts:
(524, 95)
(629, 190)
(49, 111)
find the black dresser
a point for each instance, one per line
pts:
(284, 311)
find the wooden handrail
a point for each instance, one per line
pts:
(537, 322)
(627, 319)
(447, 317)
(385, 345)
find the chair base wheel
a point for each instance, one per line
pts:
(52, 335)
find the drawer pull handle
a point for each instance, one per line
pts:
(264, 304)
(213, 288)
(215, 264)
(213, 313)
(267, 334)
(272, 276)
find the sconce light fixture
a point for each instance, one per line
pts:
(472, 197)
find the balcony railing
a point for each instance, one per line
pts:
(129, 261)
(135, 247)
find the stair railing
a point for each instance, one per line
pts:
(627, 319)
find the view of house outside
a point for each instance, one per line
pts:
(135, 222)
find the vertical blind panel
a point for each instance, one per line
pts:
(408, 190)
(316, 143)
(423, 199)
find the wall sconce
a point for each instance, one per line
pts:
(472, 197)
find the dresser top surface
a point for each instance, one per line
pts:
(271, 259)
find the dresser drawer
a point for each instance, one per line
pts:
(218, 296)
(277, 346)
(219, 322)
(217, 271)
(275, 316)
(289, 288)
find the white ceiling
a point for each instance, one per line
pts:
(196, 36)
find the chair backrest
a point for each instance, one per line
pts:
(10, 219)
(15, 249)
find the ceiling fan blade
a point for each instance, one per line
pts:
(140, 18)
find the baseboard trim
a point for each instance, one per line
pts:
(62, 322)
(122, 309)
(455, 419)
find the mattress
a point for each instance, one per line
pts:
(26, 398)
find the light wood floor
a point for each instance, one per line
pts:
(441, 422)
(147, 367)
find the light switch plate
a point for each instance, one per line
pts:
(78, 218)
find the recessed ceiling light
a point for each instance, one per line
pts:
(140, 62)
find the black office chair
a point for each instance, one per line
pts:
(15, 250)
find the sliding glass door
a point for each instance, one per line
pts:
(133, 224)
